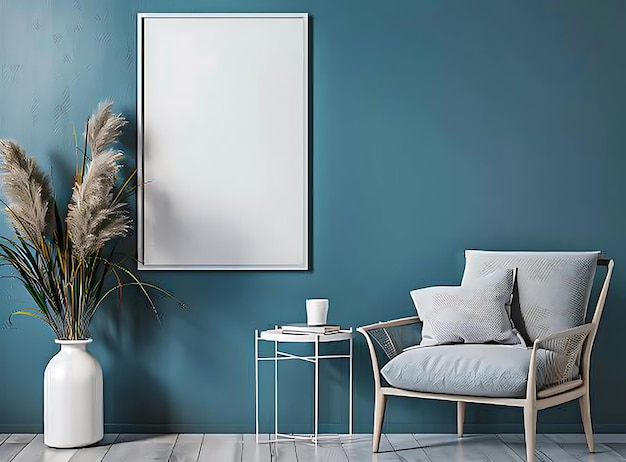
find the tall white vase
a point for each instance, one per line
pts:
(72, 401)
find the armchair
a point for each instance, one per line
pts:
(552, 371)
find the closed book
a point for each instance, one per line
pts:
(303, 328)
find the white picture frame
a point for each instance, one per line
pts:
(222, 155)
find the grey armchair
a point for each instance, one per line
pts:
(551, 370)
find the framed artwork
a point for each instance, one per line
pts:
(222, 109)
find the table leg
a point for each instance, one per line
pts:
(275, 390)
(351, 384)
(256, 384)
(317, 390)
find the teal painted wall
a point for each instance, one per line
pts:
(436, 126)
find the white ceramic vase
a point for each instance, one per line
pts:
(72, 401)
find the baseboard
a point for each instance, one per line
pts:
(498, 428)
(218, 428)
(21, 428)
(182, 428)
(329, 428)
(175, 428)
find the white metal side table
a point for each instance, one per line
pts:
(276, 336)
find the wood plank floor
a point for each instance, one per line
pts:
(356, 448)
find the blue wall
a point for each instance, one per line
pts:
(436, 126)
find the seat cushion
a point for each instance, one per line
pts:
(473, 313)
(467, 369)
(552, 288)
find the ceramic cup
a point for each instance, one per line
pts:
(316, 311)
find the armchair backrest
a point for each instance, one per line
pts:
(597, 314)
(552, 289)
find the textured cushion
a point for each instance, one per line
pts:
(552, 288)
(473, 313)
(476, 370)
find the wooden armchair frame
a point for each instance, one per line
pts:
(574, 344)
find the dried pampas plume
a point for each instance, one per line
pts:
(94, 214)
(104, 127)
(28, 191)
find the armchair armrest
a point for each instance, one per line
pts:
(391, 343)
(562, 352)
(385, 334)
(392, 323)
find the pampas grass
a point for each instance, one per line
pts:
(28, 191)
(95, 215)
(104, 127)
(66, 265)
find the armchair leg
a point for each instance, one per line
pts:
(460, 417)
(585, 412)
(530, 430)
(379, 412)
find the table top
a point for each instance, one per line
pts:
(276, 335)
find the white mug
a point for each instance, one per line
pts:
(316, 311)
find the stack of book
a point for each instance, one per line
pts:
(304, 328)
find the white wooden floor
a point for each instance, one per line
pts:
(242, 448)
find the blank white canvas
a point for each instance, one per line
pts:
(223, 142)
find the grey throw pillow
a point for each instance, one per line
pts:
(472, 313)
(552, 288)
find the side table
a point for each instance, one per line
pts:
(278, 337)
